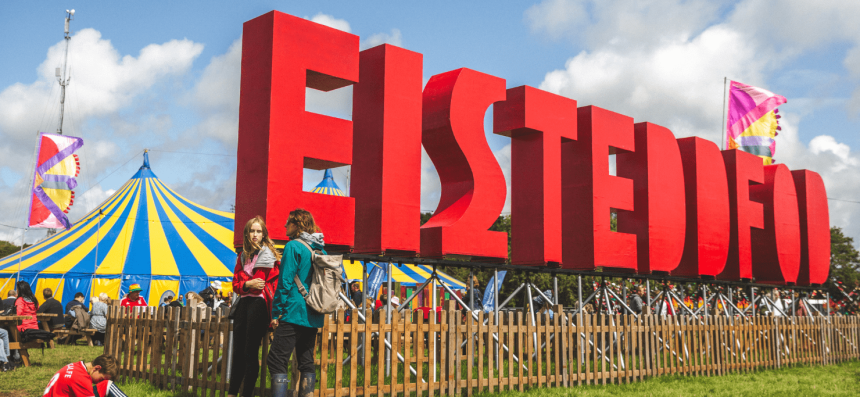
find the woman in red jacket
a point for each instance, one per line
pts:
(255, 280)
(26, 305)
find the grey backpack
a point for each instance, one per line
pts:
(325, 282)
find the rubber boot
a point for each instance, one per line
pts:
(280, 385)
(307, 384)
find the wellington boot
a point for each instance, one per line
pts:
(307, 383)
(280, 385)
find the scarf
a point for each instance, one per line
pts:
(312, 238)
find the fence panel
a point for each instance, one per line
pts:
(189, 349)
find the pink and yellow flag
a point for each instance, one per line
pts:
(54, 180)
(753, 122)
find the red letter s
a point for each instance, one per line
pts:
(473, 186)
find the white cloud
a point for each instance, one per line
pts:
(216, 96)
(826, 143)
(394, 38)
(621, 24)
(102, 83)
(431, 186)
(330, 21)
(89, 201)
(556, 17)
(677, 85)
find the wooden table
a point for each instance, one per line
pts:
(11, 323)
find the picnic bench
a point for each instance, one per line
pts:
(86, 333)
(11, 323)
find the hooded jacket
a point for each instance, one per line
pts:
(289, 306)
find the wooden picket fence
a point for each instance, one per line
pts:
(188, 349)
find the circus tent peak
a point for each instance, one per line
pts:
(328, 185)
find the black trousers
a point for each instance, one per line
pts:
(288, 337)
(249, 326)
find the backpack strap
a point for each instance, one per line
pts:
(296, 280)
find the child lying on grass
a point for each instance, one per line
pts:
(80, 379)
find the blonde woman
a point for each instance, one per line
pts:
(193, 296)
(98, 318)
(255, 279)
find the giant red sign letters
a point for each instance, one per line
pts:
(683, 206)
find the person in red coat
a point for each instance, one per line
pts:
(133, 298)
(77, 379)
(26, 305)
(255, 280)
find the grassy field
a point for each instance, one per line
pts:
(831, 380)
(31, 381)
(834, 380)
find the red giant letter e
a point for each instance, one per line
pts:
(473, 186)
(281, 56)
(589, 193)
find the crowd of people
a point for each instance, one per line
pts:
(75, 315)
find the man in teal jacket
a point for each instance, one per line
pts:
(296, 324)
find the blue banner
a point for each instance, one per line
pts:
(490, 292)
(375, 278)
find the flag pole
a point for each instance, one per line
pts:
(723, 118)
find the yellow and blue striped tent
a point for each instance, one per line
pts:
(143, 234)
(328, 186)
(407, 274)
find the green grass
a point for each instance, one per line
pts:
(32, 380)
(833, 380)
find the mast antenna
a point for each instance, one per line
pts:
(62, 77)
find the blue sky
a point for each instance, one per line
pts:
(164, 76)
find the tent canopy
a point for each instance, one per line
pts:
(407, 274)
(145, 233)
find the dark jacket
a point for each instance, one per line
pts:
(208, 296)
(636, 304)
(70, 311)
(53, 306)
(288, 305)
(7, 303)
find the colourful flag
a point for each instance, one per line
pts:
(53, 180)
(753, 122)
